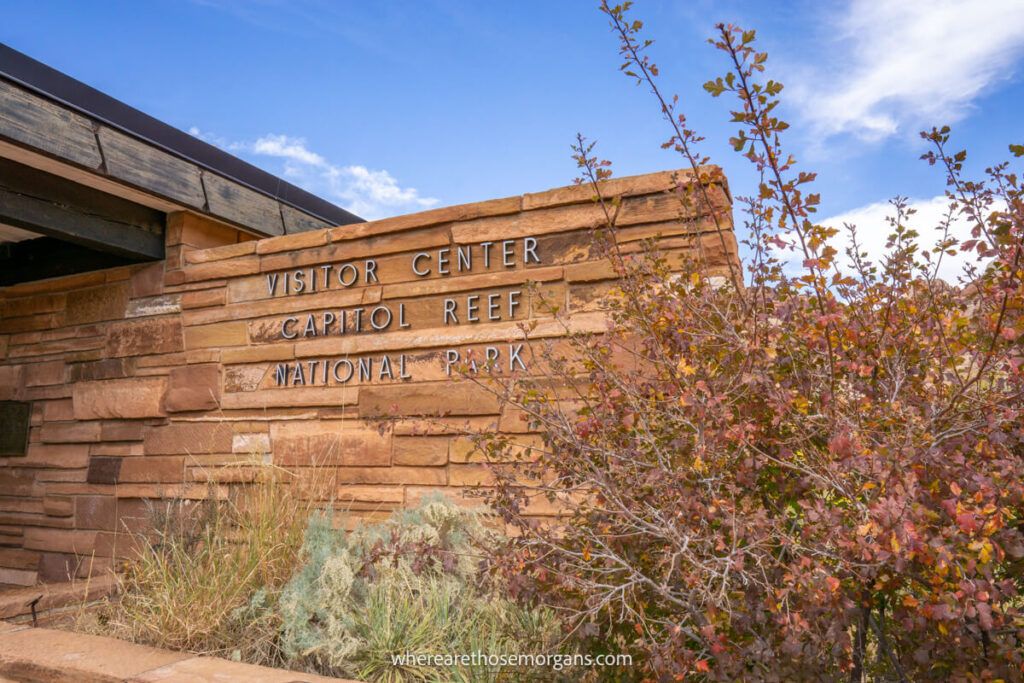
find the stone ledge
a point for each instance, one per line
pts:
(42, 655)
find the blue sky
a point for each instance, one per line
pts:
(392, 107)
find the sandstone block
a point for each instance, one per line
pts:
(60, 540)
(514, 421)
(370, 496)
(147, 281)
(42, 374)
(523, 447)
(217, 335)
(251, 443)
(120, 431)
(164, 304)
(228, 251)
(529, 223)
(18, 558)
(203, 298)
(235, 267)
(152, 469)
(257, 354)
(70, 432)
(244, 377)
(447, 214)
(31, 305)
(425, 476)
(426, 398)
(58, 506)
(95, 304)
(19, 577)
(57, 567)
(17, 482)
(58, 410)
(420, 450)
(291, 398)
(326, 443)
(68, 656)
(145, 336)
(119, 398)
(189, 437)
(302, 240)
(103, 470)
(470, 475)
(193, 387)
(113, 368)
(10, 382)
(96, 512)
(121, 449)
(628, 185)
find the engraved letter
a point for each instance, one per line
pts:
(347, 275)
(451, 358)
(327, 322)
(385, 368)
(513, 358)
(348, 364)
(513, 301)
(507, 254)
(370, 271)
(449, 310)
(465, 258)
(493, 312)
(416, 259)
(373, 318)
(281, 374)
(530, 250)
(284, 328)
(365, 368)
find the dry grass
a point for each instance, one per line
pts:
(207, 577)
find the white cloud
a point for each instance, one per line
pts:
(367, 193)
(873, 231)
(902, 63)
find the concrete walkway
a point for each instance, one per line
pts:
(41, 655)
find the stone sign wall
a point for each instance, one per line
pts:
(332, 349)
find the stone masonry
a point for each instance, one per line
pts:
(329, 349)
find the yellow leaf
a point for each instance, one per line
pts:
(986, 553)
(894, 544)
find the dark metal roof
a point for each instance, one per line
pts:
(63, 89)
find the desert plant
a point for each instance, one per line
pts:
(206, 574)
(408, 585)
(812, 475)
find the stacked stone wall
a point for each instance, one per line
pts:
(329, 351)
